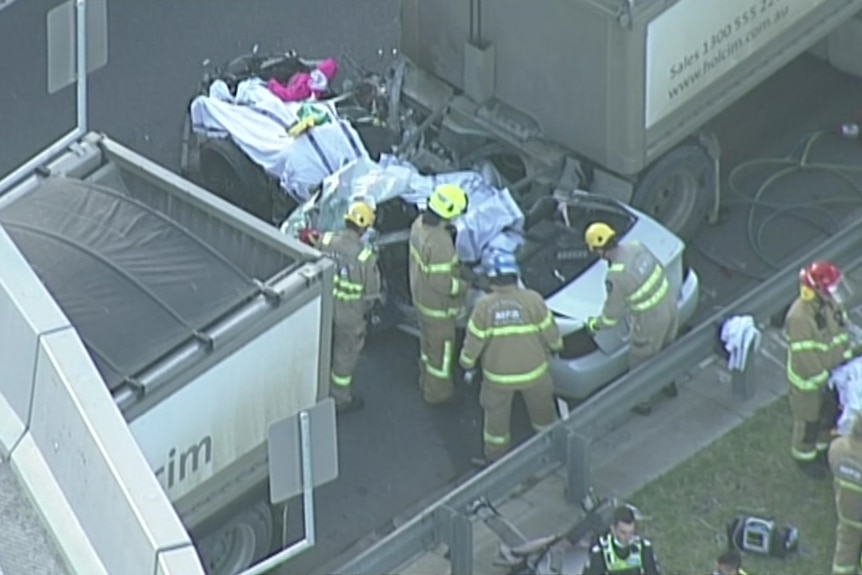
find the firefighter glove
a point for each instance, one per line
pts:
(467, 273)
(469, 376)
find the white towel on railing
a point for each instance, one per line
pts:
(847, 379)
(739, 335)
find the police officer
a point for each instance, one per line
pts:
(621, 551)
(436, 288)
(513, 333)
(636, 286)
(817, 342)
(845, 460)
(729, 563)
(357, 287)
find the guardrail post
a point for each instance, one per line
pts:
(455, 529)
(576, 456)
(742, 380)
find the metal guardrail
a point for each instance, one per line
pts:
(568, 442)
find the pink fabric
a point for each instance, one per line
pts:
(303, 86)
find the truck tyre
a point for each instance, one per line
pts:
(229, 174)
(239, 542)
(678, 190)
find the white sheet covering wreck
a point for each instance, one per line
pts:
(258, 122)
(332, 153)
(493, 220)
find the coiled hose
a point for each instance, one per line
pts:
(798, 161)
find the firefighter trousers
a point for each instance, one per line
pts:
(848, 542)
(814, 416)
(436, 355)
(347, 343)
(651, 333)
(496, 401)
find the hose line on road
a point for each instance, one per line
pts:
(791, 165)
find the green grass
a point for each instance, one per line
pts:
(747, 471)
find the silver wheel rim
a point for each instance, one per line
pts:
(673, 198)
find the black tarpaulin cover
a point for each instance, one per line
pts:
(133, 283)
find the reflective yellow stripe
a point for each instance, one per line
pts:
(808, 345)
(840, 339)
(541, 428)
(843, 569)
(346, 290)
(327, 238)
(445, 370)
(526, 329)
(365, 254)
(848, 485)
(810, 384)
(848, 354)
(516, 379)
(547, 322)
(340, 380)
(435, 313)
(648, 285)
(443, 268)
(617, 267)
(803, 455)
(456, 286)
(496, 439)
(655, 299)
(466, 360)
(606, 321)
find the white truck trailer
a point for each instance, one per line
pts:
(205, 327)
(608, 94)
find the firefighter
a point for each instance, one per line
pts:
(512, 332)
(621, 551)
(845, 460)
(729, 563)
(817, 342)
(636, 287)
(356, 289)
(436, 288)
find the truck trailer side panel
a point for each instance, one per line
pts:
(206, 325)
(234, 403)
(618, 86)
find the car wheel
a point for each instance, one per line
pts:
(678, 190)
(238, 543)
(228, 173)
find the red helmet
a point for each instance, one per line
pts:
(822, 277)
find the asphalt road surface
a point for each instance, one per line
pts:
(398, 452)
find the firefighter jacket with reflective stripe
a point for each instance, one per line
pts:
(357, 279)
(608, 558)
(437, 291)
(635, 282)
(817, 342)
(513, 332)
(845, 460)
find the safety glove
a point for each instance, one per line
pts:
(469, 376)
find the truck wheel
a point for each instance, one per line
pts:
(238, 543)
(678, 190)
(229, 174)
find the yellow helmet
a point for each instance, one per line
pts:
(448, 201)
(360, 214)
(599, 235)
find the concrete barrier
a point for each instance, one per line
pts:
(70, 446)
